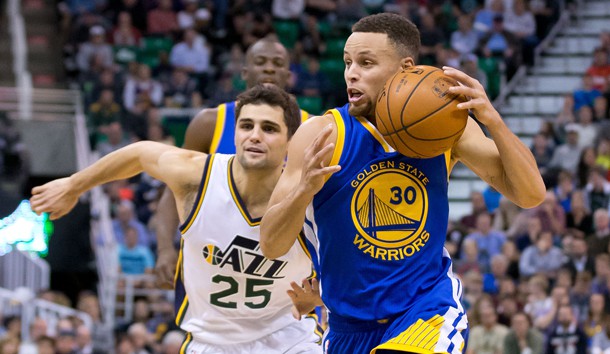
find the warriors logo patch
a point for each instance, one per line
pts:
(389, 209)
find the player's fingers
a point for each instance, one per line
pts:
(315, 285)
(461, 77)
(295, 287)
(37, 190)
(464, 90)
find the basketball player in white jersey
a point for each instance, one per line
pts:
(233, 299)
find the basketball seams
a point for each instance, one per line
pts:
(405, 105)
(428, 115)
(402, 111)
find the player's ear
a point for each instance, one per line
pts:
(406, 63)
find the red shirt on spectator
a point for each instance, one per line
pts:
(600, 70)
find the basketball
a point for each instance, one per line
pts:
(416, 113)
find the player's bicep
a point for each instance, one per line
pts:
(479, 153)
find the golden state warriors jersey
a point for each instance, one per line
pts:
(227, 292)
(379, 227)
(223, 141)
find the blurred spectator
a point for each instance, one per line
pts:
(142, 88)
(473, 289)
(578, 259)
(101, 114)
(191, 56)
(551, 214)
(350, 11)
(586, 95)
(116, 139)
(596, 316)
(478, 206)
(107, 80)
(510, 251)
(488, 337)
(492, 198)
(484, 17)
(522, 338)
(126, 219)
(470, 66)
(134, 259)
(187, 18)
(224, 92)
(148, 191)
(564, 189)
(534, 228)
(13, 152)
(548, 129)
(602, 157)
(521, 23)
(601, 281)
(601, 341)
(312, 82)
(586, 163)
(542, 151)
(580, 293)
(546, 13)
(567, 155)
(601, 114)
(321, 9)
(491, 279)
(432, 40)
(124, 33)
(508, 218)
(134, 7)
(599, 71)
(287, 10)
(489, 241)
(88, 302)
(311, 38)
(46, 345)
(597, 191)
(162, 20)
(465, 40)
(541, 257)
(598, 241)
(469, 258)
(501, 45)
(84, 342)
(566, 336)
(95, 47)
(579, 220)
(9, 345)
(181, 91)
(172, 342)
(65, 342)
(587, 130)
(141, 338)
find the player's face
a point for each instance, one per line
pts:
(370, 60)
(267, 63)
(261, 137)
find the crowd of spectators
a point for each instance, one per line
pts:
(540, 278)
(536, 279)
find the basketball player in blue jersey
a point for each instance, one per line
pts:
(211, 131)
(230, 298)
(378, 219)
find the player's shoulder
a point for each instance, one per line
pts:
(200, 130)
(314, 123)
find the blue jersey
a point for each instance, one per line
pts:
(379, 227)
(223, 141)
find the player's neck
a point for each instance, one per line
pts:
(255, 187)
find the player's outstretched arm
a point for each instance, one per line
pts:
(198, 137)
(504, 162)
(58, 197)
(309, 154)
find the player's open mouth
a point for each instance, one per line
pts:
(255, 150)
(354, 95)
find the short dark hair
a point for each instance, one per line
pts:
(276, 97)
(402, 33)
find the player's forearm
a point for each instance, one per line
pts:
(120, 164)
(282, 223)
(521, 177)
(167, 217)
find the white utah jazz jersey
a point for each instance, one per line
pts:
(227, 292)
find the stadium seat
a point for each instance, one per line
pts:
(311, 104)
(287, 31)
(157, 44)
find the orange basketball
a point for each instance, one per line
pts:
(417, 115)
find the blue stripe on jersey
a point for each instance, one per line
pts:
(226, 145)
(381, 223)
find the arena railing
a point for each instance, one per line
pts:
(22, 303)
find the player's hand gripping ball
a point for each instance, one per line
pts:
(416, 113)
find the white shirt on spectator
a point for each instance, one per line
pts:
(196, 57)
(524, 23)
(287, 10)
